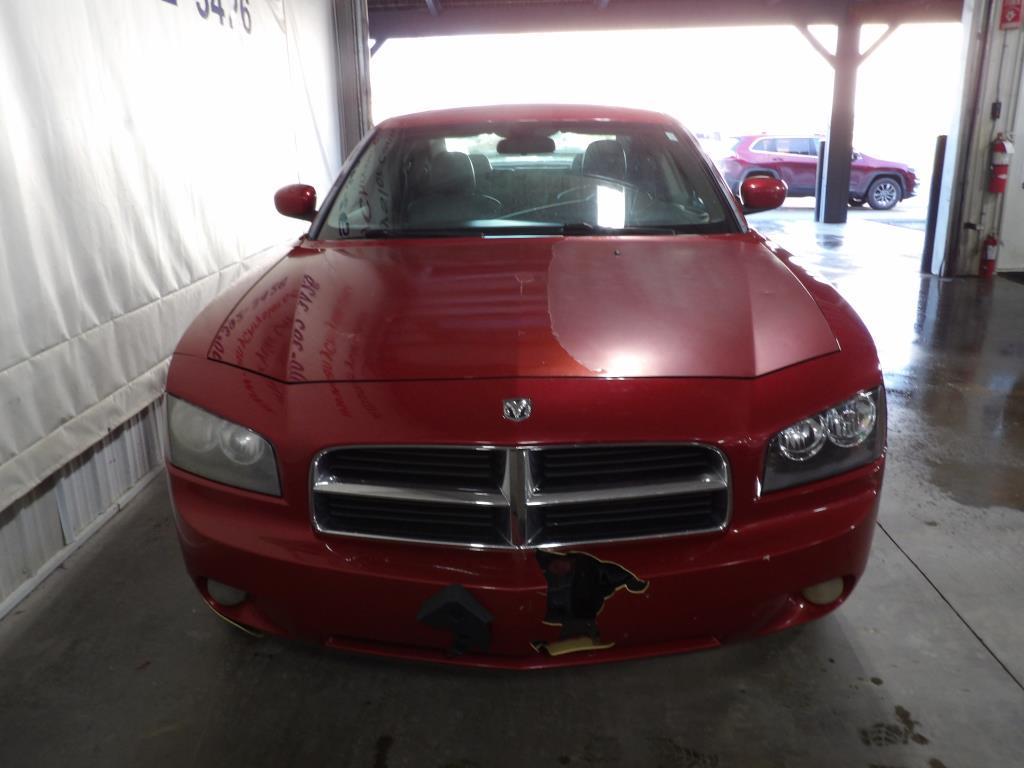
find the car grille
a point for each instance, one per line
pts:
(457, 468)
(561, 469)
(521, 497)
(425, 520)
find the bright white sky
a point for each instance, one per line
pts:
(727, 80)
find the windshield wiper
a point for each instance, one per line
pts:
(477, 231)
(576, 228)
(586, 228)
(383, 232)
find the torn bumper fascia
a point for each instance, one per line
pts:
(680, 593)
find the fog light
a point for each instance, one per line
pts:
(225, 595)
(825, 593)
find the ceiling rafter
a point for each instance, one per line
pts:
(831, 57)
(425, 18)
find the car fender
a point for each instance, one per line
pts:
(893, 174)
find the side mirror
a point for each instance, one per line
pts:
(297, 201)
(762, 193)
(855, 155)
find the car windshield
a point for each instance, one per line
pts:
(527, 178)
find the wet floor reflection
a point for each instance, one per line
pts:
(952, 351)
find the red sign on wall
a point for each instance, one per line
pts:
(1009, 18)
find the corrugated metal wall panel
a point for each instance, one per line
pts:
(29, 536)
(39, 531)
(80, 495)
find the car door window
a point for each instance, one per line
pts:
(806, 146)
(794, 146)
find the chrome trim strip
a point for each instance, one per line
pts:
(515, 487)
(623, 493)
(639, 537)
(420, 493)
(429, 542)
(519, 502)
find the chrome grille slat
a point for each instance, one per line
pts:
(673, 505)
(563, 471)
(427, 495)
(617, 457)
(435, 462)
(617, 493)
(417, 519)
(438, 467)
(634, 518)
(523, 497)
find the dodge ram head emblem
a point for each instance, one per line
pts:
(516, 408)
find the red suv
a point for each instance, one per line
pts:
(794, 159)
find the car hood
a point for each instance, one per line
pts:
(688, 306)
(880, 163)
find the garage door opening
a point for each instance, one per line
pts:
(758, 99)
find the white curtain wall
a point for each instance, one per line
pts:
(140, 146)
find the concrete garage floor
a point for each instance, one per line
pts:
(115, 662)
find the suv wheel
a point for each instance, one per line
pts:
(856, 202)
(884, 193)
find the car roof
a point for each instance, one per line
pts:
(755, 136)
(516, 112)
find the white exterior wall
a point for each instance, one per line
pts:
(40, 530)
(1011, 230)
(969, 213)
(140, 147)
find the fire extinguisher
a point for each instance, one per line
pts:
(989, 253)
(1000, 164)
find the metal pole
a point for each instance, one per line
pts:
(819, 177)
(933, 203)
(840, 131)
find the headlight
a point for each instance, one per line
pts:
(803, 440)
(844, 437)
(219, 450)
(849, 424)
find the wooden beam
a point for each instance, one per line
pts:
(816, 44)
(415, 19)
(881, 39)
(906, 11)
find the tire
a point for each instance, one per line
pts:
(856, 202)
(884, 193)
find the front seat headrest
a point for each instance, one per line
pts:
(452, 173)
(605, 158)
(481, 165)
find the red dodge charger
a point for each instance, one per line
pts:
(529, 392)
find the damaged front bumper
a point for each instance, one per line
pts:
(522, 608)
